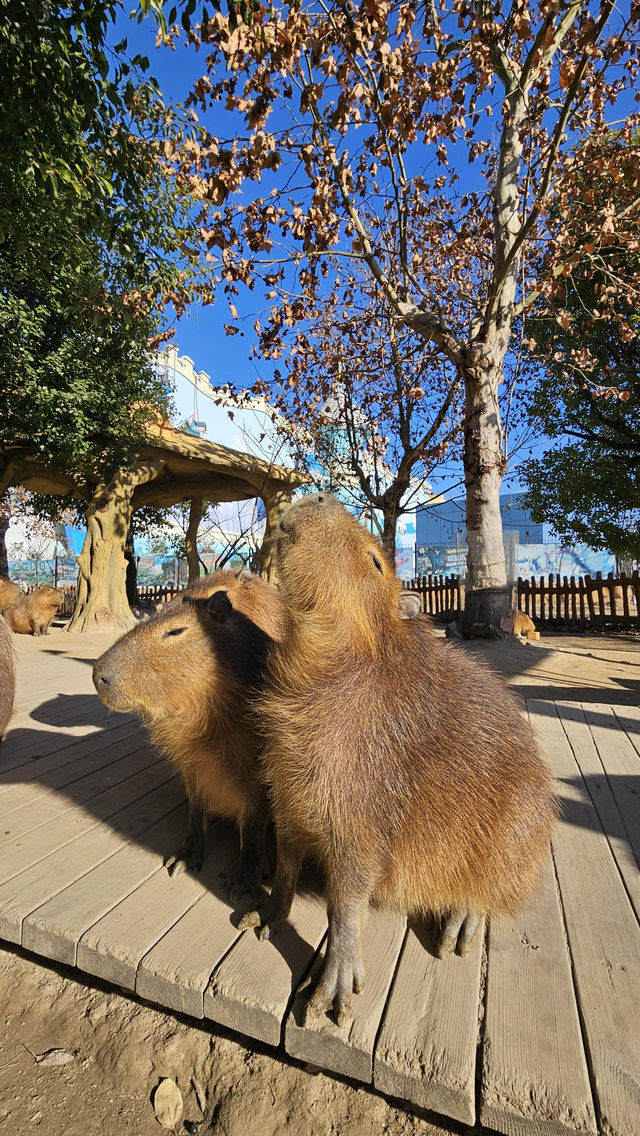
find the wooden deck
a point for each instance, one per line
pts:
(537, 1031)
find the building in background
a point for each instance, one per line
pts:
(532, 549)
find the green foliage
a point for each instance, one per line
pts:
(589, 489)
(75, 355)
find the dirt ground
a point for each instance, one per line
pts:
(121, 1047)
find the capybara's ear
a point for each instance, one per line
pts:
(409, 605)
(219, 606)
(187, 598)
(245, 578)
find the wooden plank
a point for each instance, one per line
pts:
(426, 1050)
(348, 1050)
(622, 767)
(535, 1080)
(55, 928)
(176, 971)
(40, 881)
(603, 940)
(628, 718)
(48, 753)
(581, 739)
(113, 947)
(39, 804)
(252, 988)
(20, 854)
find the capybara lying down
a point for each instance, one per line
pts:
(190, 673)
(7, 676)
(9, 593)
(34, 612)
(399, 763)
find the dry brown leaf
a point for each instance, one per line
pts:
(54, 1057)
(167, 1103)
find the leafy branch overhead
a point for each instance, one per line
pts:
(435, 150)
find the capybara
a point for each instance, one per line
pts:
(190, 673)
(394, 759)
(7, 675)
(522, 623)
(9, 593)
(34, 612)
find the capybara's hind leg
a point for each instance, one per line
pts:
(343, 973)
(457, 932)
(190, 856)
(276, 908)
(245, 875)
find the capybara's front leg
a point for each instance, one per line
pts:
(457, 933)
(276, 908)
(246, 874)
(190, 856)
(342, 974)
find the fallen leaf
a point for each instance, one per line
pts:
(167, 1103)
(54, 1057)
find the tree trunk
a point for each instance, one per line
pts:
(191, 538)
(131, 577)
(4, 525)
(487, 596)
(275, 502)
(389, 528)
(102, 566)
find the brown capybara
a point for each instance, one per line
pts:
(398, 762)
(190, 673)
(7, 675)
(522, 623)
(34, 612)
(10, 593)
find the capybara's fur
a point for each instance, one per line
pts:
(7, 675)
(190, 673)
(34, 612)
(522, 623)
(401, 764)
(9, 593)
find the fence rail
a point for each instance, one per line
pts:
(440, 595)
(158, 593)
(585, 603)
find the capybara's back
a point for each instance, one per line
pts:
(34, 612)
(190, 673)
(9, 593)
(7, 675)
(397, 760)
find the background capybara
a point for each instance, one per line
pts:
(7, 675)
(34, 612)
(400, 763)
(190, 672)
(9, 593)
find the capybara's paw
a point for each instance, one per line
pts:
(186, 860)
(457, 933)
(334, 990)
(267, 918)
(244, 882)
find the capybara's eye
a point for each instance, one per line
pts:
(174, 631)
(377, 563)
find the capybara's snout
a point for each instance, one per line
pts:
(105, 680)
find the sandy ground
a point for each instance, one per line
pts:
(122, 1047)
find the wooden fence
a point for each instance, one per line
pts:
(585, 604)
(440, 595)
(153, 594)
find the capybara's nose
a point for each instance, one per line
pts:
(101, 677)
